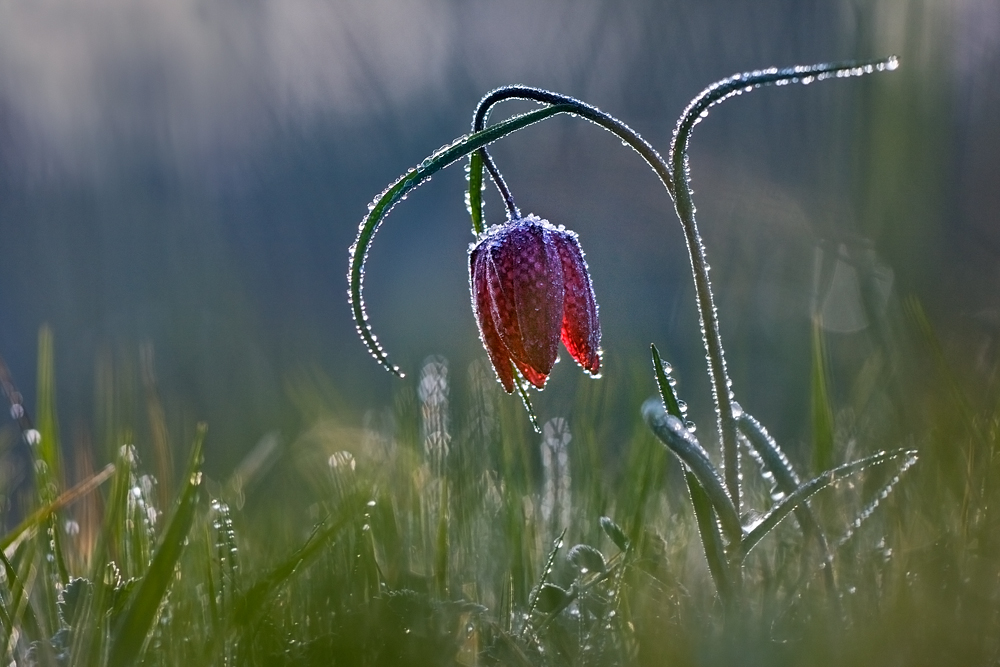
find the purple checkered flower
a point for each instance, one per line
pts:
(531, 288)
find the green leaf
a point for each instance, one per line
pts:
(401, 187)
(678, 439)
(667, 393)
(73, 600)
(614, 532)
(46, 452)
(476, 192)
(711, 539)
(134, 626)
(813, 486)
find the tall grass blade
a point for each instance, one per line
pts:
(68, 497)
(819, 394)
(250, 604)
(475, 201)
(20, 609)
(711, 538)
(537, 593)
(134, 627)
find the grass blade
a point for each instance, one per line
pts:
(667, 392)
(475, 201)
(810, 488)
(134, 627)
(252, 602)
(822, 413)
(68, 497)
(711, 539)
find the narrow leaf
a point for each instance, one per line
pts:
(66, 498)
(672, 433)
(667, 393)
(134, 627)
(404, 184)
(810, 488)
(546, 571)
(476, 191)
(711, 539)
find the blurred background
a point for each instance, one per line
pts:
(180, 181)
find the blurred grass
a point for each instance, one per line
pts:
(423, 533)
(420, 531)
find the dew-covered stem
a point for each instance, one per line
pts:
(695, 112)
(380, 207)
(575, 107)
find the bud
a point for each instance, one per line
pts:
(531, 288)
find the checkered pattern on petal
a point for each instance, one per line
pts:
(581, 328)
(527, 292)
(481, 307)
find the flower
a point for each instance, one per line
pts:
(530, 287)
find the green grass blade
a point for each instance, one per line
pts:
(250, 604)
(667, 392)
(42, 514)
(47, 424)
(476, 192)
(819, 393)
(48, 466)
(711, 538)
(20, 607)
(536, 594)
(810, 488)
(404, 184)
(131, 633)
(671, 432)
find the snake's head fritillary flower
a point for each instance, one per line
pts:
(531, 288)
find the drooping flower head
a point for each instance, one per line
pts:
(531, 288)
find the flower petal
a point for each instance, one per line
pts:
(581, 328)
(481, 307)
(526, 283)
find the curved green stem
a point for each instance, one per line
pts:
(576, 107)
(695, 112)
(381, 206)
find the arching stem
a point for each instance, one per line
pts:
(695, 112)
(675, 179)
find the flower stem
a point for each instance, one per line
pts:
(695, 112)
(676, 180)
(575, 107)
